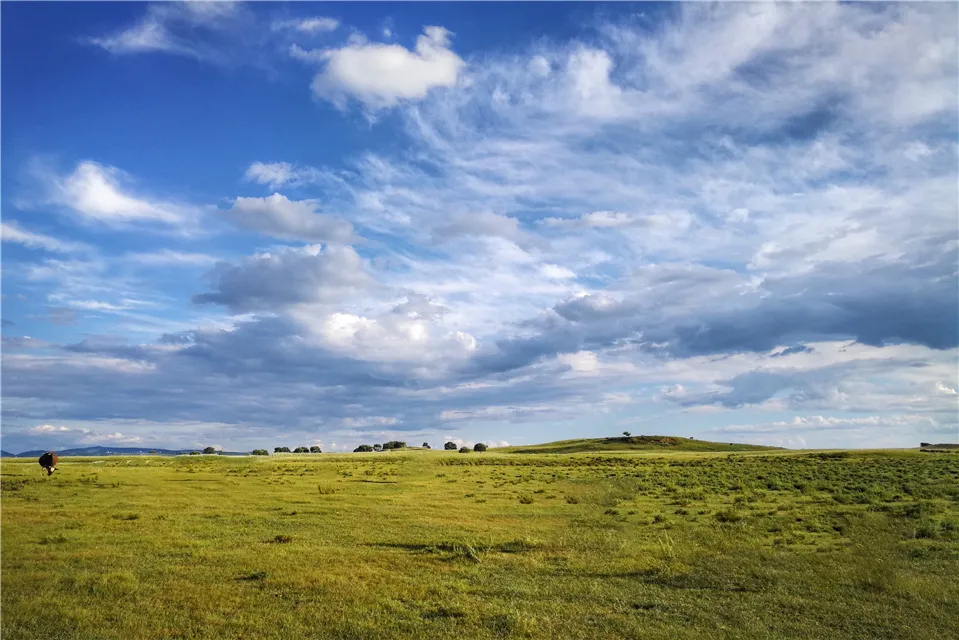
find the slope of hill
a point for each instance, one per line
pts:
(633, 443)
(5, 454)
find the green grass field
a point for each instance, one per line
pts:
(661, 444)
(423, 544)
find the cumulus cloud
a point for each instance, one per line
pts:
(383, 75)
(287, 276)
(286, 219)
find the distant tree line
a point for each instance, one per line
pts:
(479, 447)
(313, 449)
(386, 446)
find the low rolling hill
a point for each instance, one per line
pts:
(633, 443)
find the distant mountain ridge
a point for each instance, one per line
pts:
(114, 451)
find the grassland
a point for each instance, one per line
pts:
(427, 544)
(661, 444)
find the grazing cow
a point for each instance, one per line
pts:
(48, 461)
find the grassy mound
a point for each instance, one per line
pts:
(633, 443)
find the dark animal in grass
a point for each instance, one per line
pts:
(48, 461)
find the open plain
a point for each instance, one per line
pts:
(430, 544)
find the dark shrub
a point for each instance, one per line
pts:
(363, 448)
(301, 450)
(260, 452)
(377, 447)
(426, 445)
(393, 444)
(480, 447)
(315, 449)
(194, 453)
(450, 446)
(209, 450)
(464, 449)
(281, 449)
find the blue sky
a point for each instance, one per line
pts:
(293, 224)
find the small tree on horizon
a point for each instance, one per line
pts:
(209, 450)
(464, 449)
(301, 450)
(627, 433)
(281, 449)
(480, 447)
(315, 449)
(450, 446)
(260, 452)
(363, 448)
(426, 445)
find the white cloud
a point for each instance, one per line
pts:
(272, 174)
(581, 361)
(483, 223)
(383, 75)
(369, 421)
(168, 257)
(588, 71)
(280, 217)
(52, 429)
(308, 25)
(16, 234)
(540, 66)
(290, 278)
(941, 388)
(102, 194)
(817, 423)
(170, 28)
(557, 272)
(83, 436)
(617, 398)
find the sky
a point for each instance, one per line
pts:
(259, 225)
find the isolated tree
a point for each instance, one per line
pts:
(426, 445)
(464, 449)
(627, 433)
(209, 450)
(315, 449)
(480, 447)
(363, 448)
(260, 452)
(377, 447)
(450, 446)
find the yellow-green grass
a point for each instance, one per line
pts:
(634, 443)
(435, 544)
